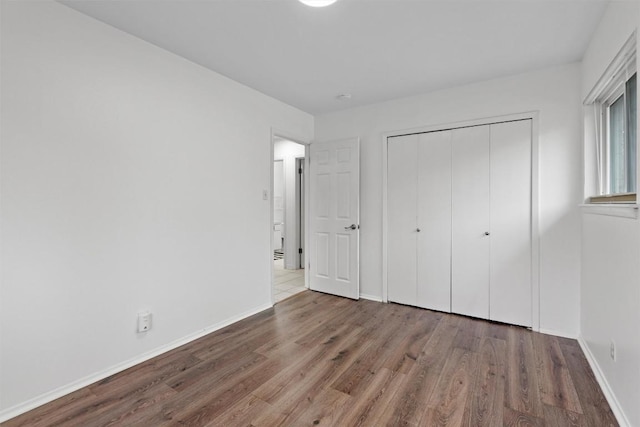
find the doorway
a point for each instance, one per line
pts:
(288, 201)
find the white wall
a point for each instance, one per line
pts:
(116, 197)
(555, 93)
(288, 151)
(610, 308)
(618, 23)
(610, 290)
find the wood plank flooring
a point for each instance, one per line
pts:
(320, 360)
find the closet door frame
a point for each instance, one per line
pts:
(535, 239)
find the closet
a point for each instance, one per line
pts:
(459, 221)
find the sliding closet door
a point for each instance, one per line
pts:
(510, 296)
(402, 196)
(434, 221)
(470, 221)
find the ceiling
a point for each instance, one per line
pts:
(375, 50)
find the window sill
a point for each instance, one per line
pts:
(625, 198)
(622, 210)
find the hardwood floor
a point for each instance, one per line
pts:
(316, 359)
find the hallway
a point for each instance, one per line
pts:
(286, 282)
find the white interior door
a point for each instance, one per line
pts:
(510, 294)
(419, 220)
(402, 212)
(334, 217)
(459, 221)
(470, 221)
(434, 221)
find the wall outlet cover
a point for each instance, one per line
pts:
(144, 321)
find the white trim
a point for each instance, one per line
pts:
(461, 124)
(624, 62)
(371, 297)
(535, 221)
(50, 396)
(385, 228)
(615, 406)
(535, 233)
(621, 210)
(307, 204)
(558, 333)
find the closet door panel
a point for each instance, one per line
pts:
(510, 293)
(402, 164)
(434, 221)
(470, 221)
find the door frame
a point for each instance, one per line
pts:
(301, 197)
(275, 134)
(535, 234)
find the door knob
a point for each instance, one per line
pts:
(486, 233)
(418, 230)
(351, 227)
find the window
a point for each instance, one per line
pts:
(614, 104)
(620, 126)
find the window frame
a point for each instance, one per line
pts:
(610, 87)
(619, 92)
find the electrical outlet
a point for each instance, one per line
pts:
(612, 350)
(144, 321)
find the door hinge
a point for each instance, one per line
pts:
(299, 250)
(300, 171)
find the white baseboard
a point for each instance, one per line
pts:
(604, 385)
(371, 297)
(557, 333)
(50, 396)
